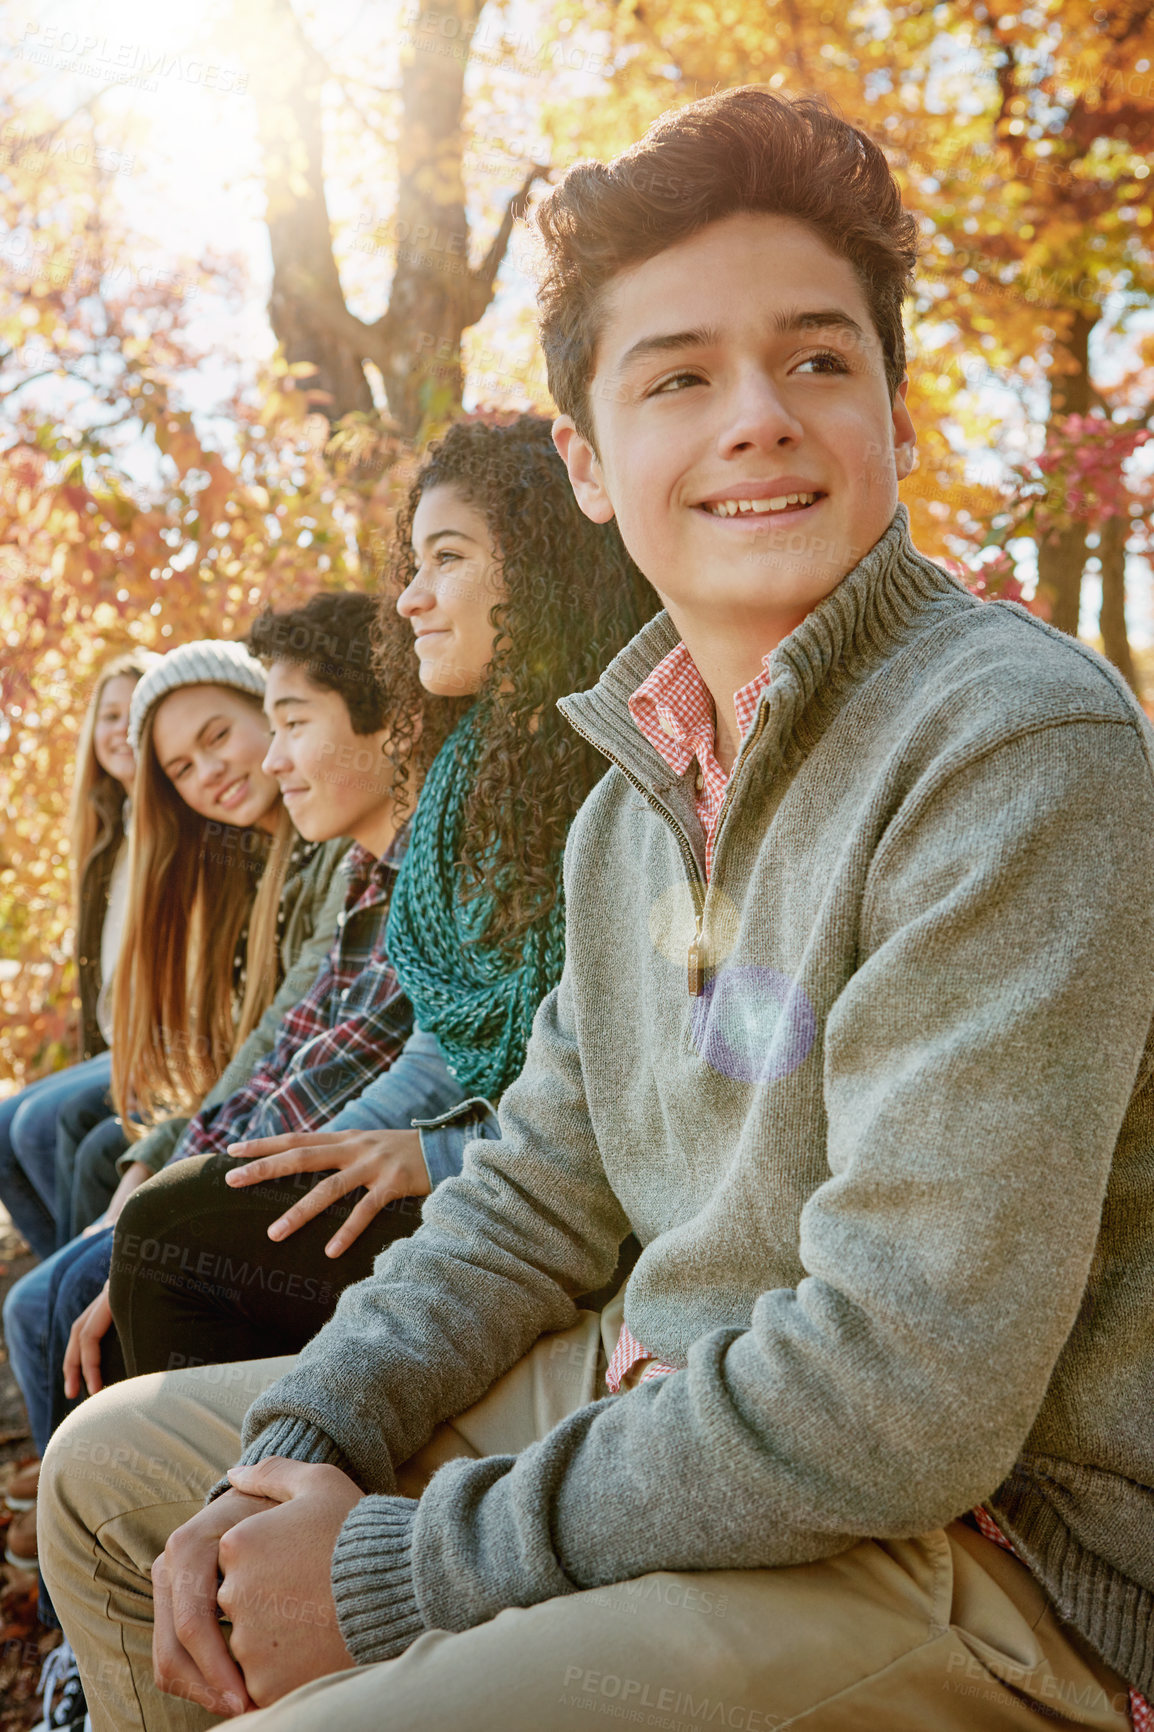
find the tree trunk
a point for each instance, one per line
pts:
(1062, 555)
(430, 301)
(1112, 619)
(416, 342)
(286, 80)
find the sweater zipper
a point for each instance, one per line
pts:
(697, 947)
(689, 859)
(697, 960)
(746, 745)
(699, 888)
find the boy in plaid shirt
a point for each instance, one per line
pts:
(325, 706)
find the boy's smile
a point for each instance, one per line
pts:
(746, 441)
(335, 782)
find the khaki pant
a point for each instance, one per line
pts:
(941, 1633)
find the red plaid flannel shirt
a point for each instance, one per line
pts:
(349, 1026)
(674, 710)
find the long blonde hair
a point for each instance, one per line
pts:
(193, 885)
(97, 796)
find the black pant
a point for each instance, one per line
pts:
(197, 1281)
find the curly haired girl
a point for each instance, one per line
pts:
(510, 598)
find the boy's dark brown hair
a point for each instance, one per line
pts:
(743, 150)
(331, 638)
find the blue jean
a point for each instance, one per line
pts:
(88, 1145)
(28, 1147)
(38, 1316)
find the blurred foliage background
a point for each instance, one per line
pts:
(251, 261)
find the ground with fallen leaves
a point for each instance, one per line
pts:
(23, 1639)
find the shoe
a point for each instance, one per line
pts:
(20, 1541)
(63, 1694)
(22, 1487)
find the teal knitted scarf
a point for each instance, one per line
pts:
(479, 1007)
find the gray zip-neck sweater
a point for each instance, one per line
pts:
(893, 1170)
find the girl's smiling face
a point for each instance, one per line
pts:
(452, 594)
(210, 741)
(110, 732)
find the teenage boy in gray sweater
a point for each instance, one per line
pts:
(854, 1034)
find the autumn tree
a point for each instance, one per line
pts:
(93, 559)
(1044, 210)
(1024, 138)
(122, 520)
(435, 293)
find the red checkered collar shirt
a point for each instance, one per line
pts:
(674, 710)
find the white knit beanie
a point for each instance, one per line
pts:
(211, 662)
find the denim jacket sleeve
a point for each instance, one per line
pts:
(418, 1086)
(443, 1139)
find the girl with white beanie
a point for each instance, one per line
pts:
(229, 917)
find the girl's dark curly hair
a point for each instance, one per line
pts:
(573, 598)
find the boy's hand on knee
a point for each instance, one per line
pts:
(189, 1653)
(388, 1165)
(277, 1587)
